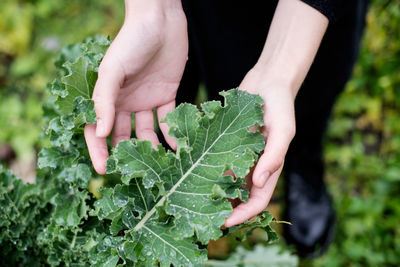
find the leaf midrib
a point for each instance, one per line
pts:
(166, 242)
(188, 172)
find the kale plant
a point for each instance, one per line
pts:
(158, 207)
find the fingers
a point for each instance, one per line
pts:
(104, 96)
(161, 113)
(97, 148)
(144, 125)
(122, 127)
(273, 158)
(258, 201)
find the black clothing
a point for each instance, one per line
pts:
(330, 8)
(327, 77)
(225, 40)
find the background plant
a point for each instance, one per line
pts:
(362, 150)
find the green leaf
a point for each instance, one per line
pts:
(174, 197)
(60, 131)
(20, 217)
(54, 157)
(79, 81)
(260, 256)
(263, 221)
(70, 206)
(84, 110)
(79, 175)
(159, 245)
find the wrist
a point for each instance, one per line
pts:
(152, 8)
(292, 43)
(279, 75)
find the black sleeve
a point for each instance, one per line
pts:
(329, 8)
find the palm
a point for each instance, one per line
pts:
(140, 72)
(278, 130)
(151, 64)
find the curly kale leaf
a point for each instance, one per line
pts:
(171, 200)
(65, 169)
(22, 217)
(70, 109)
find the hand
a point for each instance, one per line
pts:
(278, 130)
(140, 72)
(293, 39)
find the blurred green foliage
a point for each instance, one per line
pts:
(32, 32)
(362, 147)
(362, 150)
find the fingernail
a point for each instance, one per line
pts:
(100, 128)
(263, 179)
(227, 222)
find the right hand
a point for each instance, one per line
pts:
(141, 71)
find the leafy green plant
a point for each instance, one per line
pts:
(260, 256)
(158, 207)
(32, 32)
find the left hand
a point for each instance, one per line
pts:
(279, 130)
(293, 39)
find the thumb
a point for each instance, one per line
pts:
(274, 155)
(104, 95)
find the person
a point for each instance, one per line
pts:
(165, 49)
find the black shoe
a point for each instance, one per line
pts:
(309, 210)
